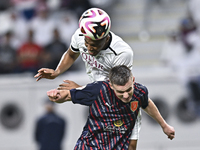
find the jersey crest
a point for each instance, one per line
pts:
(134, 105)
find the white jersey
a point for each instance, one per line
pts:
(97, 67)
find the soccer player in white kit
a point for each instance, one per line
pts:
(100, 49)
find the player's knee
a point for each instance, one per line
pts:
(132, 145)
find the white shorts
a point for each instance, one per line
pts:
(137, 127)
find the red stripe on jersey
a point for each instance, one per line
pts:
(94, 138)
(102, 97)
(99, 111)
(91, 131)
(110, 94)
(82, 147)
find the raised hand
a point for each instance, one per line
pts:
(46, 73)
(68, 85)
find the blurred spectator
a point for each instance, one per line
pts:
(25, 7)
(4, 5)
(19, 26)
(194, 11)
(5, 22)
(6, 25)
(7, 54)
(55, 50)
(53, 5)
(77, 6)
(67, 25)
(43, 26)
(50, 129)
(189, 75)
(187, 27)
(173, 51)
(30, 56)
(186, 61)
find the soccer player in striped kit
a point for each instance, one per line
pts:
(114, 106)
(100, 49)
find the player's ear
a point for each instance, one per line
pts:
(111, 85)
(133, 79)
(107, 38)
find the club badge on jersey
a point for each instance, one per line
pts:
(134, 105)
(118, 123)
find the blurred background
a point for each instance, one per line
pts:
(165, 38)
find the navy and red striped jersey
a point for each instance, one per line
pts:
(110, 121)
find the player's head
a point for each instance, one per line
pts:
(121, 81)
(95, 24)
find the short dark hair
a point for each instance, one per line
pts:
(120, 75)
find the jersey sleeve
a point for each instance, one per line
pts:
(144, 98)
(74, 42)
(87, 94)
(125, 57)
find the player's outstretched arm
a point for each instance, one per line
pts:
(153, 111)
(59, 96)
(65, 63)
(46, 73)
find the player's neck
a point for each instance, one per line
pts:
(107, 43)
